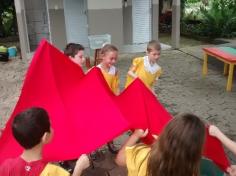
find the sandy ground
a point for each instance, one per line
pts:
(180, 89)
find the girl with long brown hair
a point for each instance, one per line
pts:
(176, 152)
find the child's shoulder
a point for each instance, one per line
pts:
(10, 162)
(52, 169)
(138, 60)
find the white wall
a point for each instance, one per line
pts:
(104, 4)
(155, 1)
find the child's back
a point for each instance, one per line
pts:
(31, 129)
(20, 167)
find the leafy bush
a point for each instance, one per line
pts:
(7, 22)
(219, 18)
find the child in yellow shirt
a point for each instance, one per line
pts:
(146, 68)
(109, 54)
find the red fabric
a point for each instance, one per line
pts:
(220, 53)
(83, 115)
(19, 167)
(142, 109)
(213, 149)
(84, 112)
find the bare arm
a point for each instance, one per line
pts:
(132, 74)
(232, 170)
(81, 164)
(131, 141)
(231, 145)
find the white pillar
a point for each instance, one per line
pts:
(175, 33)
(22, 28)
(155, 19)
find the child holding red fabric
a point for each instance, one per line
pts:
(177, 151)
(231, 145)
(109, 54)
(146, 68)
(31, 129)
(76, 53)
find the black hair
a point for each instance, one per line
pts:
(29, 126)
(72, 49)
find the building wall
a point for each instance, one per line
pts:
(57, 23)
(104, 4)
(37, 21)
(106, 16)
(127, 21)
(128, 25)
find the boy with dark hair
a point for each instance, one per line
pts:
(75, 52)
(31, 129)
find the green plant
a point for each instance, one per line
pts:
(219, 18)
(8, 23)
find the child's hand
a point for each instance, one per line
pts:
(214, 131)
(140, 133)
(155, 136)
(232, 170)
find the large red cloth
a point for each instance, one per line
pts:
(84, 112)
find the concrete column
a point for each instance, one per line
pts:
(175, 33)
(155, 19)
(22, 28)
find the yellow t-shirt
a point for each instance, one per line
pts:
(111, 78)
(136, 160)
(147, 73)
(54, 170)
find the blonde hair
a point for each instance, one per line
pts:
(153, 45)
(108, 47)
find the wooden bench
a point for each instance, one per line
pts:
(224, 54)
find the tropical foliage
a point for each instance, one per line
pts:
(215, 18)
(219, 19)
(7, 18)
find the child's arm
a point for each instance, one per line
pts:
(81, 164)
(231, 145)
(131, 141)
(232, 170)
(136, 62)
(132, 74)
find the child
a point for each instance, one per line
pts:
(31, 129)
(231, 145)
(146, 67)
(177, 151)
(109, 54)
(76, 53)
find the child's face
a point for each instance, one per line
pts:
(79, 58)
(109, 58)
(154, 55)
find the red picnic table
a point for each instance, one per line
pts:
(224, 54)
